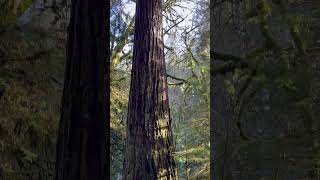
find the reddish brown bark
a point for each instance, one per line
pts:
(149, 143)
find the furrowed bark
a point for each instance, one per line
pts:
(149, 143)
(81, 149)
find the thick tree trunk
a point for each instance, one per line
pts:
(149, 143)
(81, 149)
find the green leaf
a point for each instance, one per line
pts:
(28, 155)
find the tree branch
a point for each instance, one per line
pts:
(175, 78)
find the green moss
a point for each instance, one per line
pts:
(24, 6)
(265, 7)
(29, 111)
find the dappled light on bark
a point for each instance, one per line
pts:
(149, 143)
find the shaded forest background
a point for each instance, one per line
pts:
(265, 85)
(32, 45)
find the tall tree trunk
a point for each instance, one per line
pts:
(81, 148)
(149, 143)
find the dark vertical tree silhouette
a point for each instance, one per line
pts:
(149, 143)
(81, 148)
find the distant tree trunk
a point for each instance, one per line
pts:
(149, 143)
(81, 148)
(15, 7)
(8, 11)
(10, 6)
(186, 167)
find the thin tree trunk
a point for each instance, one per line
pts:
(81, 148)
(149, 143)
(186, 166)
(16, 4)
